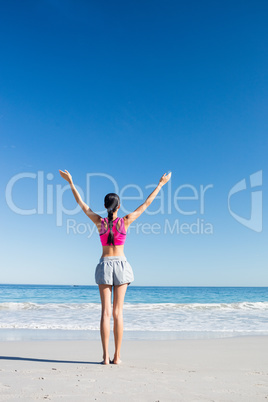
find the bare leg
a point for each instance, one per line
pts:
(119, 295)
(106, 296)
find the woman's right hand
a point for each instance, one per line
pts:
(164, 179)
(66, 176)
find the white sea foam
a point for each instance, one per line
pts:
(49, 306)
(137, 306)
(243, 317)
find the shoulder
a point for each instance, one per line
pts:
(103, 226)
(125, 222)
(120, 226)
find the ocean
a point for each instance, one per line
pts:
(73, 312)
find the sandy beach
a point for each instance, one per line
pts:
(229, 369)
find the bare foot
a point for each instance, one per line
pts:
(116, 361)
(106, 360)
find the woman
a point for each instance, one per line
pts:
(113, 270)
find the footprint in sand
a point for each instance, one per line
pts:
(4, 386)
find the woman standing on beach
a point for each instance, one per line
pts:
(113, 270)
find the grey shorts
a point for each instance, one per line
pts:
(113, 271)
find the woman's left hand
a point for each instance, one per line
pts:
(66, 176)
(164, 179)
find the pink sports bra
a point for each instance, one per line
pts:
(118, 231)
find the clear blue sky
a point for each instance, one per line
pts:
(132, 90)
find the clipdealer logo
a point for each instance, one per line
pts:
(255, 221)
(187, 200)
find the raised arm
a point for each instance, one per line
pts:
(129, 218)
(94, 217)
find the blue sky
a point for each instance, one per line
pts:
(133, 90)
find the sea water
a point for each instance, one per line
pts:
(149, 312)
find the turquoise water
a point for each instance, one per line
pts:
(135, 294)
(225, 311)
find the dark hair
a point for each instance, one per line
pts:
(111, 203)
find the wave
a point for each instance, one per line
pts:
(192, 317)
(49, 306)
(260, 306)
(200, 306)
